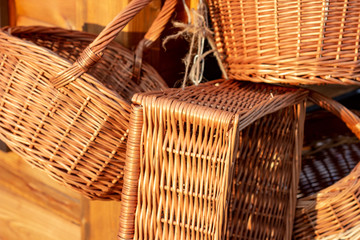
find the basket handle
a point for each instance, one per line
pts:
(152, 35)
(351, 120)
(92, 54)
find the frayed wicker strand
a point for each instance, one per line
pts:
(196, 31)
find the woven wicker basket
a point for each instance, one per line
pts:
(218, 160)
(294, 42)
(65, 113)
(328, 207)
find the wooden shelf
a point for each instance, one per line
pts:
(33, 206)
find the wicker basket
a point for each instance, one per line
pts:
(65, 113)
(294, 42)
(196, 147)
(329, 197)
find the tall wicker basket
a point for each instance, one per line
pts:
(64, 112)
(294, 42)
(218, 160)
(329, 197)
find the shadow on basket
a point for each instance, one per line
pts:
(328, 199)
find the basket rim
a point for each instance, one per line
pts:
(293, 96)
(61, 63)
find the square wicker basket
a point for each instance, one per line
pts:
(218, 160)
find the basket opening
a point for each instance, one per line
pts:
(114, 69)
(329, 154)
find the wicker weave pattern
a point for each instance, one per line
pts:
(262, 178)
(334, 160)
(114, 69)
(72, 124)
(296, 42)
(196, 143)
(67, 149)
(329, 188)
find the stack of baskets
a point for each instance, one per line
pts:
(304, 42)
(215, 161)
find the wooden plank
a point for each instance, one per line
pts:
(80, 14)
(99, 15)
(50, 203)
(90, 16)
(102, 220)
(22, 219)
(4, 13)
(33, 185)
(12, 12)
(54, 12)
(28, 21)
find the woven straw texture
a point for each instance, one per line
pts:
(329, 153)
(294, 42)
(328, 207)
(65, 113)
(218, 160)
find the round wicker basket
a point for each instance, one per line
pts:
(329, 197)
(65, 100)
(293, 42)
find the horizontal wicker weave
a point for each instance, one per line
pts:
(218, 160)
(65, 113)
(294, 42)
(328, 207)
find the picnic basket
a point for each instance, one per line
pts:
(65, 99)
(329, 198)
(293, 42)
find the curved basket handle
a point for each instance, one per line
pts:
(92, 54)
(152, 35)
(349, 118)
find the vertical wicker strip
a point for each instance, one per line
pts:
(132, 167)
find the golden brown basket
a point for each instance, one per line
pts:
(328, 206)
(294, 42)
(65, 113)
(217, 161)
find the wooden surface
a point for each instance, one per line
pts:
(102, 220)
(33, 206)
(51, 13)
(84, 15)
(4, 17)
